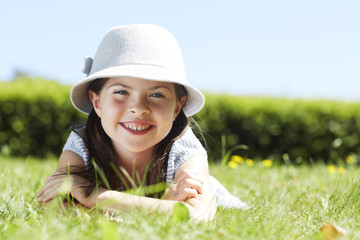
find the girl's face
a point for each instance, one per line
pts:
(135, 113)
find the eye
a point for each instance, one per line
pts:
(157, 95)
(121, 92)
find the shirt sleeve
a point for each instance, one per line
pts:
(76, 144)
(183, 149)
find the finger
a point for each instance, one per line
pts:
(39, 193)
(185, 194)
(41, 199)
(52, 179)
(49, 185)
(47, 196)
(50, 190)
(190, 183)
(180, 194)
(51, 194)
(42, 189)
(190, 193)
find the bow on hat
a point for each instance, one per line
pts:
(88, 61)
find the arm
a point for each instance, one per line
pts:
(191, 184)
(54, 181)
(117, 201)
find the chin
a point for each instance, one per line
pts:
(139, 149)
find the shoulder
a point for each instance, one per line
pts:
(77, 145)
(188, 144)
(69, 158)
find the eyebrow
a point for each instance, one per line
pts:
(128, 87)
(161, 86)
(118, 84)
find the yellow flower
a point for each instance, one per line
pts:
(331, 169)
(233, 164)
(237, 158)
(350, 160)
(341, 170)
(249, 162)
(267, 163)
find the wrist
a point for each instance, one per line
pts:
(97, 196)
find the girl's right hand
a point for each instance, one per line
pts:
(52, 187)
(53, 183)
(56, 185)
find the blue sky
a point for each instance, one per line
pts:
(306, 49)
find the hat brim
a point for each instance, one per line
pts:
(80, 98)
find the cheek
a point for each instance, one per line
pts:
(113, 106)
(165, 110)
(111, 114)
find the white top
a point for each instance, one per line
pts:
(184, 148)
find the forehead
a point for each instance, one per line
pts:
(137, 83)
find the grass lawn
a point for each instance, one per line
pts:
(286, 202)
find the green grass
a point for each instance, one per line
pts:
(287, 203)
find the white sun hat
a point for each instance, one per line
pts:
(141, 51)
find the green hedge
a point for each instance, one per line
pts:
(282, 129)
(35, 116)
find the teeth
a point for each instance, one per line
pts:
(136, 127)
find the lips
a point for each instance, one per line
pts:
(137, 127)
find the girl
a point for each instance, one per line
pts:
(138, 101)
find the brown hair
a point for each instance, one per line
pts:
(104, 155)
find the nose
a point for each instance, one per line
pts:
(139, 106)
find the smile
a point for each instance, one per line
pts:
(137, 128)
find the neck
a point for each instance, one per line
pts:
(135, 164)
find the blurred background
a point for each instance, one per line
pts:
(306, 49)
(281, 77)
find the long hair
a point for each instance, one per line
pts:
(104, 156)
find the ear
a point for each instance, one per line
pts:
(179, 105)
(95, 99)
